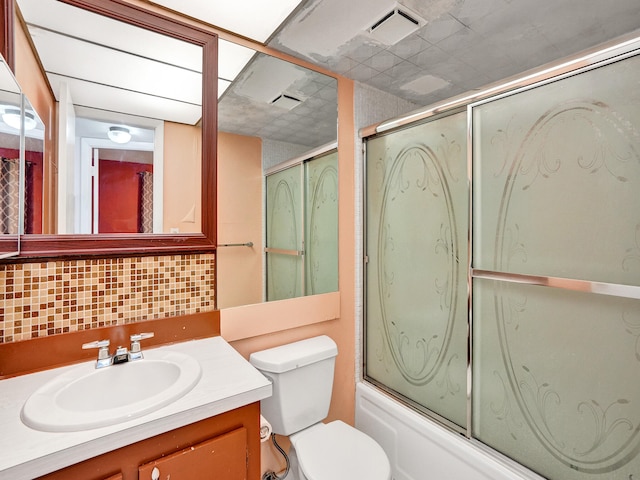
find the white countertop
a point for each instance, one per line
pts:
(228, 382)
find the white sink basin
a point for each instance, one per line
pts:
(84, 397)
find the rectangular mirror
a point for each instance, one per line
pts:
(272, 113)
(136, 129)
(10, 161)
(32, 195)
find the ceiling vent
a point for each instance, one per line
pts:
(395, 25)
(285, 101)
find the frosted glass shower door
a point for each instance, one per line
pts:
(557, 178)
(321, 219)
(416, 275)
(556, 379)
(284, 245)
(556, 363)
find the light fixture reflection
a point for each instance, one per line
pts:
(12, 117)
(119, 134)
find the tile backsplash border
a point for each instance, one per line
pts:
(49, 298)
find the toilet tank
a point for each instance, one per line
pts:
(302, 378)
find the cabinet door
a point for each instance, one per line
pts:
(222, 457)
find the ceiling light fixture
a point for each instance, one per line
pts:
(12, 117)
(396, 25)
(119, 134)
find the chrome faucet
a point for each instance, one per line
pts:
(121, 355)
(104, 358)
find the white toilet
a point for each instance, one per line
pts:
(302, 377)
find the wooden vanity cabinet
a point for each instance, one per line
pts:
(224, 456)
(226, 446)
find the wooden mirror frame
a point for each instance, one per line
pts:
(73, 246)
(6, 39)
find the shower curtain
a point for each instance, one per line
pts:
(145, 205)
(9, 195)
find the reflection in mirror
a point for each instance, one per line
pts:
(278, 101)
(273, 113)
(33, 169)
(11, 114)
(130, 109)
(119, 177)
(302, 228)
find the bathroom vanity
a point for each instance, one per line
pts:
(217, 447)
(212, 431)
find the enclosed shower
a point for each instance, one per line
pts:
(502, 267)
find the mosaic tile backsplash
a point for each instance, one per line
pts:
(40, 299)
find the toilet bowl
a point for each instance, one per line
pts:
(302, 379)
(337, 451)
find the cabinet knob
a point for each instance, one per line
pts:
(155, 474)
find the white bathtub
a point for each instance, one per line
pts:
(420, 449)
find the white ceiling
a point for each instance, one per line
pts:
(460, 45)
(112, 66)
(464, 45)
(254, 19)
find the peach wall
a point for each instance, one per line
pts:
(247, 321)
(239, 220)
(36, 88)
(182, 178)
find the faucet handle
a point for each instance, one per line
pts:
(136, 337)
(134, 352)
(103, 345)
(104, 359)
(96, 344)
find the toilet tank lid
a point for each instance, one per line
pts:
(294, 355)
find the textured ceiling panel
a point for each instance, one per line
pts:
(246, 108)
(466, 44)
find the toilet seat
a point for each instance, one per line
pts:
(337, 451)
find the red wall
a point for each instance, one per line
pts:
(119, 195)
